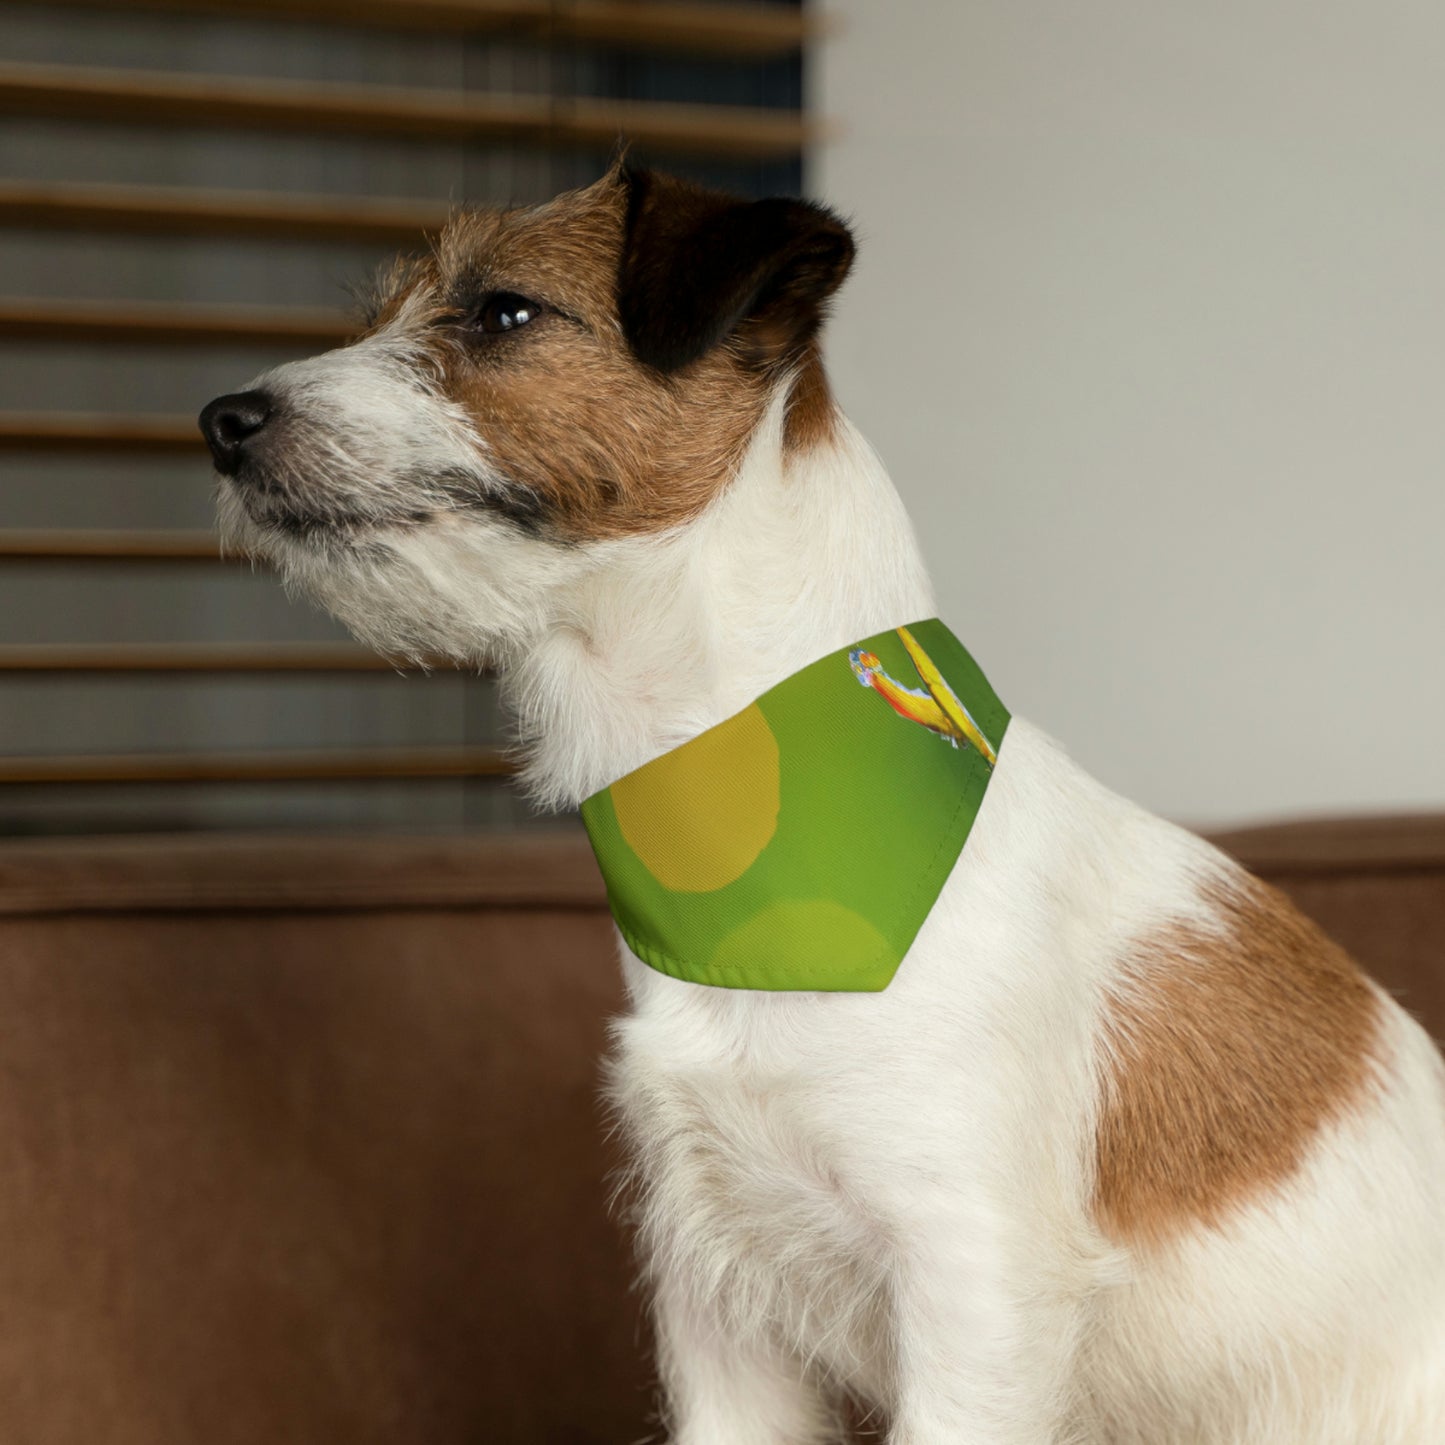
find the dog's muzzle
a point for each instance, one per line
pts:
(231, 424)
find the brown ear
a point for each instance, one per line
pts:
(699, 266)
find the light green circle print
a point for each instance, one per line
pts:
(845, 947)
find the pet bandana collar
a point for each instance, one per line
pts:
(801, 843)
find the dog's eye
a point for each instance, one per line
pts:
(505, 311)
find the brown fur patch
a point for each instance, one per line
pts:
(599, 445)
(1228, 1052)
(812, 413)
(596, 443)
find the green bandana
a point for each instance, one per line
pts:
(801, 843)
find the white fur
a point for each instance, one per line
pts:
(889, 1194)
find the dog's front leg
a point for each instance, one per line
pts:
(985, 1343)
(721, 1389)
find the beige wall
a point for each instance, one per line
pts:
(1149, 324)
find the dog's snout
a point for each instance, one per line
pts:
(229, 422)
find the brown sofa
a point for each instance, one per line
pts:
(299, 1141)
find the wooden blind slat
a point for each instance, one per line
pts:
(169, 323)
(156, 97)
(754, 31)
(175, 211)
(181, 657)
(256, 767)
(705, 29)
(109, 546)
(94, 431)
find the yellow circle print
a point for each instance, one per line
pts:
(698, 816)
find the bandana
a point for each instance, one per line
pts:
(801, 843)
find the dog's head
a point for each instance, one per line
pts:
(545, 383)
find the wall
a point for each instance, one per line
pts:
(1149, 324)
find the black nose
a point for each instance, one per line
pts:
(229, 422)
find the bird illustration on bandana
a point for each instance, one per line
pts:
(935, 705)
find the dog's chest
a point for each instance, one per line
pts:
(748, 1186)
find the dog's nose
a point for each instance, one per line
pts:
(229, 422)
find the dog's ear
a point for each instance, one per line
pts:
(699, 266)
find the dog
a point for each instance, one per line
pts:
(1126, 1152)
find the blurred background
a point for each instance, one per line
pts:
(1149, 324)
(301, 1008)
(190, 193)
(1146, 323)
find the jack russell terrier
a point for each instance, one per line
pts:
(955, 1085)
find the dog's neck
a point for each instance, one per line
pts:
(803, 553)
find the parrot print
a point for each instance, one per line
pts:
(935, 705)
